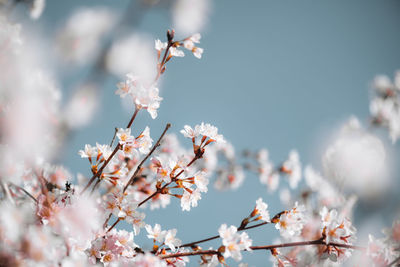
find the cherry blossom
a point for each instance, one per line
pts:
(291, 222)
(233, 242)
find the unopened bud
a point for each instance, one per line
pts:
(170, 35)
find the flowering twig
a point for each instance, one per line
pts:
(268, 247)
(98, 173)
(159, 190)
(137, 171)
(147, 156)
(241, 228)
(118, 147)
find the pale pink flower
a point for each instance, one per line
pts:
(160, 45)
(124, 135)
(155, 232)
(176, 52)
(148, 260)
(292, 167)
(171, 241)
(261, 210)
(201, 181)
(234, 242)
(88, 152)
(291, 222)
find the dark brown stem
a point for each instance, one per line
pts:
(133, 118)
(190, 253)
(112, 226)
(115, 135)
(307, 243)
(217, 236)
(269, 247)
(99, 172)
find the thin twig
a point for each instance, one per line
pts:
(133, 117)
(268, 247)
(113, 139)
(189, 253)
(112, 226)
(217, 236)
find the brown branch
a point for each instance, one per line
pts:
(217, 236)
(269, 247)
(133, 118)
(307, 243)
(190, 253)
(114, 224)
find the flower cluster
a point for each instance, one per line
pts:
(385, 106)
(290, 223)
(335, 229)
(52, 218)
(233, 242)
(164, 237)
(143, 96)
(189, 43)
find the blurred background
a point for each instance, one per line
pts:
(279, 75)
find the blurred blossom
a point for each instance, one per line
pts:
(385, 105)
(357, 161)
(37, 7)
(13, 221)
(79, 40)
(29, 98)
(10, 38)
(79, 221)
(32, 116)
(190, 16)
(133, 54)
(82, 106)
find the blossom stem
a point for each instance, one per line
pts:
(307, 243)
(269, 247)
(113, 139)
(114, 224)
(190, 253)
(217, 236)
(133, 118)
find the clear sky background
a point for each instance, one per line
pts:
(274, 74)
